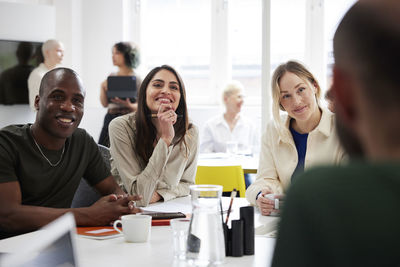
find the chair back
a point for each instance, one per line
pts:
(229, 177)
(86, 195)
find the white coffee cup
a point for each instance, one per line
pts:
(135, 228)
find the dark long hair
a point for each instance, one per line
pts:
(146, 131)
(130, 53)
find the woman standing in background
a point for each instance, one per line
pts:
(126, 57)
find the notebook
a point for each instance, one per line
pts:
(53, 245)
(122, 87)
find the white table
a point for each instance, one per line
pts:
(248, 163)
(157, 252)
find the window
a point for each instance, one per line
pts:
(334, 11)
(288, 31)
(245, 43)
(177, 33)
(213, 41)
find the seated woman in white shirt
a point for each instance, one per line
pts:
(305, 136)
(154, 150)
(230, 126)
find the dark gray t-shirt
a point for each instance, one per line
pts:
(342, 216)
(40, 183)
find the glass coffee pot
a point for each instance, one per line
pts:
(205, 243)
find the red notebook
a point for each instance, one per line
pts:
(98, 232)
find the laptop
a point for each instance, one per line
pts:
(122, 87)
(52, 245)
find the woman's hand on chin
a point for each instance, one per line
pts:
(166, 118)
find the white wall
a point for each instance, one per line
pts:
(27, 21)
(30, 22)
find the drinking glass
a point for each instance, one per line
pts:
(231, 147)
(180, 229)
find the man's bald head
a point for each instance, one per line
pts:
(49, 45)
(53, 53)
(57, 75)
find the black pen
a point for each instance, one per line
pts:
(233, 195)
(154, 115)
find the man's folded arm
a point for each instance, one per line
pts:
(109, 186)
(18, 218)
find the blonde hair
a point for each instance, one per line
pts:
(231, 88)
(302, 72)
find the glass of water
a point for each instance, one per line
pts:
(180, 229)
(231, 147)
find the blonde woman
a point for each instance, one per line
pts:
(231, 125)
(305, 136)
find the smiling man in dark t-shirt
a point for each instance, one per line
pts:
(41, 164)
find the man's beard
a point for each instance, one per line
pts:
(349, 140)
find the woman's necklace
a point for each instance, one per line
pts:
(41, 152)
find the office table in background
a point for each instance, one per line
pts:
(159, 250)
(249, 163)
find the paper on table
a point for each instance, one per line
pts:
(99, 232)
(177, 205)
(181, 204)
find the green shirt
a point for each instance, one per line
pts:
(40, 183)
(342, 216)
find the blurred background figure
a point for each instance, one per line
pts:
(126, 57)
(53, 53)
(230, 131)
(13, 81)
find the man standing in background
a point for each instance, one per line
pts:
(53, 53)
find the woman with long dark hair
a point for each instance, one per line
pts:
(126, 57)
(154, 150)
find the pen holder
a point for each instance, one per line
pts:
(239, 240)
(247, 216)
(234, 239)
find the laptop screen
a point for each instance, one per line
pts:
(122, 87)
(53, 245)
